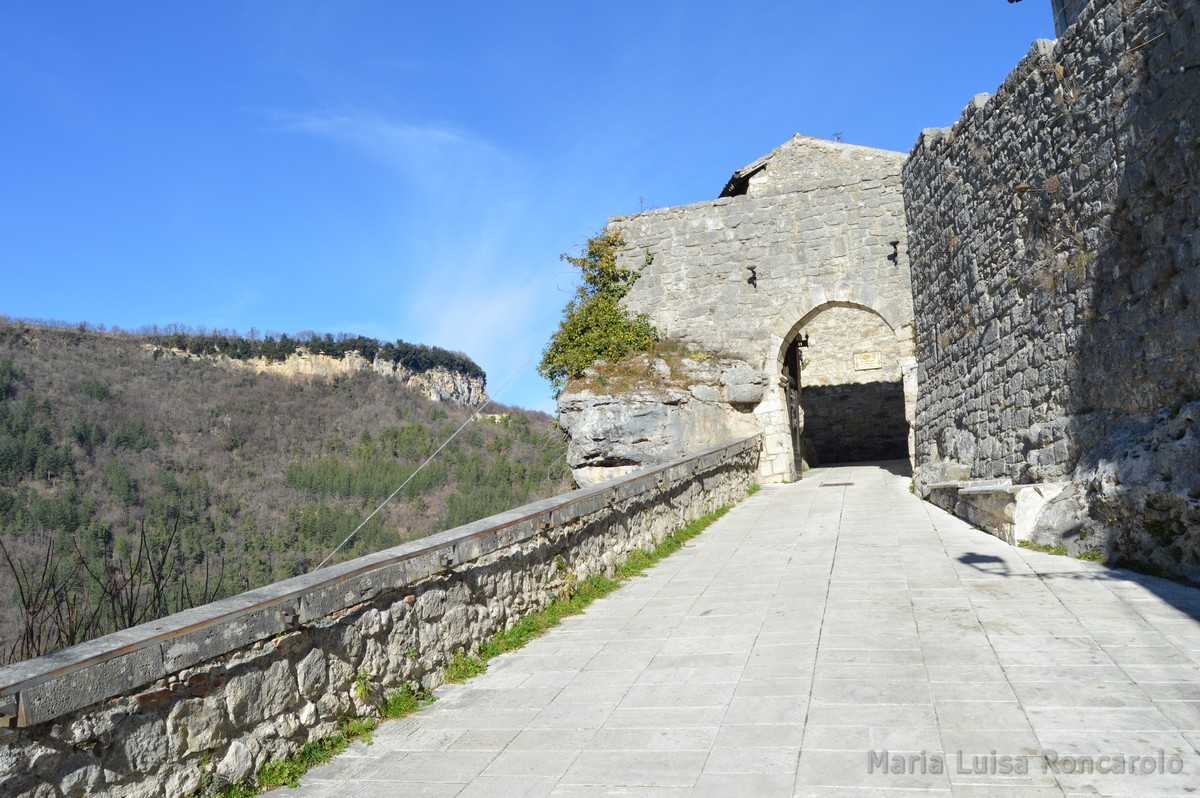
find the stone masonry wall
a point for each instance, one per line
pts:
(820, 224)
(837, 334)
(1055, 243)
(210, 695)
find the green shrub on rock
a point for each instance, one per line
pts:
(594, 325)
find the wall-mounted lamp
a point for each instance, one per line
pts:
(895, 256)
(802, 340)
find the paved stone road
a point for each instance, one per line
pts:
(813, 628)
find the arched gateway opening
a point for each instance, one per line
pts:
(841, 366)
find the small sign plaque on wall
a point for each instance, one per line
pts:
(866, 361)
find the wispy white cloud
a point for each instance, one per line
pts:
(471, 276)
(496, 311)
(429, 155)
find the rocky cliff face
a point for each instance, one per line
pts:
(1141, 488)
(645, 411)
(438, 384)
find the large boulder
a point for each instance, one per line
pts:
(1142, 488)
(644, 411)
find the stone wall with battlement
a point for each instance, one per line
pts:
(207, 696)
(1055, 241)
(811, 226)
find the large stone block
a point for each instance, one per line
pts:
(53, 697)
(139, 745)
(258, 693)
(197, 725)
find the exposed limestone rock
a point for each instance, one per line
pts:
(1062, 521)
(742, 385)
(197, 725)
(673, 411)
(438, 384)
(1143, 492)
(237, 764)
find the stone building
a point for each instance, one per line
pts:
(794, 283)
(1055, 243)
(1054, 296)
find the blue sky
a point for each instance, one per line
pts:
(413, 171)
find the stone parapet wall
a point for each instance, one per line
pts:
(1055, 249)
(211, 694)
(1010, 512)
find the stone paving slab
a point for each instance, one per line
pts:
(825, 641)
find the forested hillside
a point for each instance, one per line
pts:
(133, 485)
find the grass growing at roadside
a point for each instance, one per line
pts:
(1061, 551)
(288, 770)
(1044, 548)
(404, 702)
(463, 666)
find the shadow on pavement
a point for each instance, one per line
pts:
(1185, 598)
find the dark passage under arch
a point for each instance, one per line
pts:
(854, 422)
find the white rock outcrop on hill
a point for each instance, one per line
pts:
(438, 384)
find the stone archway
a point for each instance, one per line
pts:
(840, 323)
(849, 365)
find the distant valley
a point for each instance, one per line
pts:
(144, 473)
